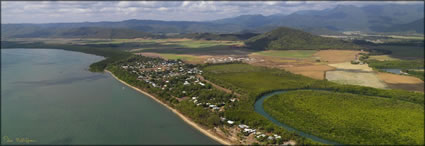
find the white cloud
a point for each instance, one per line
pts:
(73, 11)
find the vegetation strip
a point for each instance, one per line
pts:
(184, 118)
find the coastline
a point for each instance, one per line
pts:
(183, 117)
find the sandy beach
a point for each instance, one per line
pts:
(184, 118)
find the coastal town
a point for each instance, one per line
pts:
(184, 83)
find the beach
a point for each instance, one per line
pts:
(184, 118)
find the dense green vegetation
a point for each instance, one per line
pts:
(284, 38)
(349, 118)
(396, 64)
(252, 82)
(418, 74)
(402, 49)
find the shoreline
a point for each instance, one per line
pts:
(183, 117)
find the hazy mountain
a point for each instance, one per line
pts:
(415, 26)
(284, 38)
(373, 18)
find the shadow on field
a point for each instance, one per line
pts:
(213, 50)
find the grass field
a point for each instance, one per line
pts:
(383, 57)
(288, 53)
(350, 118)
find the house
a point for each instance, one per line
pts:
(186, 83)
(243, 126)
(270, 138)
(230, 122)
(222, 119)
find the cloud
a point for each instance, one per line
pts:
(78, 11)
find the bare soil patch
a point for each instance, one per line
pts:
(336, 56)
(410, 87)
(398, 79)
(313, 71)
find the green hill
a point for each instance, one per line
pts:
(284, 38)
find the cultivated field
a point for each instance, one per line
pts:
(347, 73)
(336, 56)
(355, 78)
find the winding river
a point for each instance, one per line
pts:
(259, 109)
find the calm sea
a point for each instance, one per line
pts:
(49, 97)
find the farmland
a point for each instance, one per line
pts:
(349, 118)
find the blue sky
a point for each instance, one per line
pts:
(92, 11)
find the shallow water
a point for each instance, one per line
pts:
(49, 96)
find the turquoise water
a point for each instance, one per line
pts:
(49, 96)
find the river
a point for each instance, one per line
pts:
(49, 97)
(258, 106)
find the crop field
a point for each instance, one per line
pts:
(287, 53)
(314, 71)
(349, 118)
(347, 73)
(369, 79)
(336, 56)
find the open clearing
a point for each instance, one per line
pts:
(398, 79)
(395, 81)
(313, 71)
(336, 56)
(347, 73)
(355, 78)
(349, 66)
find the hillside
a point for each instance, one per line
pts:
(82, 32)
(284, 38)
(213, 36)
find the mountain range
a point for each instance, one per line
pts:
(371, 18)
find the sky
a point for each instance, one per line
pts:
(95, 11)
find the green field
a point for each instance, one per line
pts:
(349, 118)
(288, 53)
(253, 81)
